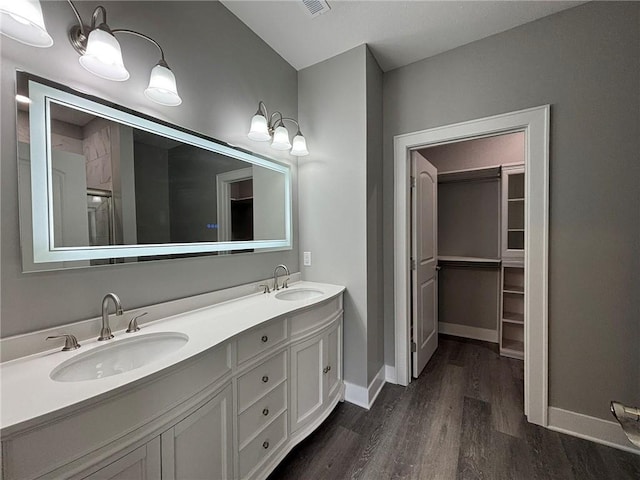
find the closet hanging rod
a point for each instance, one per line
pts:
(470, 175)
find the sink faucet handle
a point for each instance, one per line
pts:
(70, 341)
(266, 288)
(285, 283)
(133, 324)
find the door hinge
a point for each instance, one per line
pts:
(414, 347)
(412, 264)
(413, 182)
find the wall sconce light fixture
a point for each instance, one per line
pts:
(97, 45)
(264, 127)
(22, 20)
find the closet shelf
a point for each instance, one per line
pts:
(512, 348)
(513, 289)
(515, 322)
(471, 261)
(513, 317)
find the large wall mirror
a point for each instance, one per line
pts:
(101, 184)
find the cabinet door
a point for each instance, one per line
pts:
(333, 361)
(307, 363)
(141, 464)
(200, 446)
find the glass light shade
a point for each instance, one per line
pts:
(281, 139)
(22, 20)
(259, 130)
(299, 146)
(104, 57)
(162, 87)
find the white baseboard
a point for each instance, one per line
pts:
(364, 397)
(469, 332)
(390, 374)
(590, 428)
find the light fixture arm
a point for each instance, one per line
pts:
(146, 37)
(262, 109)
(94, 16)
(75, 11)
(282, 120)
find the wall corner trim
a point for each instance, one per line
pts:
(590, 428)
(365, 397)
(390, 374)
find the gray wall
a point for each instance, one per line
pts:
(585, 63)
(216, 65)
(469, 218)
(152, 193)
(375, 274)
(332, 191)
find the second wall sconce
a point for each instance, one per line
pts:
(97, 45)
(264, 127)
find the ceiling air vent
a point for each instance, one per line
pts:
(315, 7)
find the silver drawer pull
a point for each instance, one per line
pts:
(265, 445)
(265, 412)
(325, 370)
(265, 379)
(264, 339)
(328, 368)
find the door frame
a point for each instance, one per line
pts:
(223, 203)
(534, 122)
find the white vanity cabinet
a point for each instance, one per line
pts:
(231, 412)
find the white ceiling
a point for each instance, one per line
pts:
(398, 32)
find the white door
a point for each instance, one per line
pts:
(141, 464)
(69, 190)
(307, 381)
(424, 254)
(200, 446)
(70, 205)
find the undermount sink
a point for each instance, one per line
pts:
(119, 357)
(299, 294)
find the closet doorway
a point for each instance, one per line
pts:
(534, 125)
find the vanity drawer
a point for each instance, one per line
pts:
(254, 418)
(263, 445)
(256, 382)
(260, 339)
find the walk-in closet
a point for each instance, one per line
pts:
(480, 231)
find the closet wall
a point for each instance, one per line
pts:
(469, 232)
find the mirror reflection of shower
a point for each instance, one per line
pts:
(100, 217)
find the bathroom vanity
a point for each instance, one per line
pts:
(256, 376)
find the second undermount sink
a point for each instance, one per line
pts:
(299, 294)
(119, 356)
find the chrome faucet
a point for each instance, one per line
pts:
(275, 277)
(105, 331)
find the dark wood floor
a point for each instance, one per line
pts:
(462, 419)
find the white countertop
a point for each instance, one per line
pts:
(28, 392)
